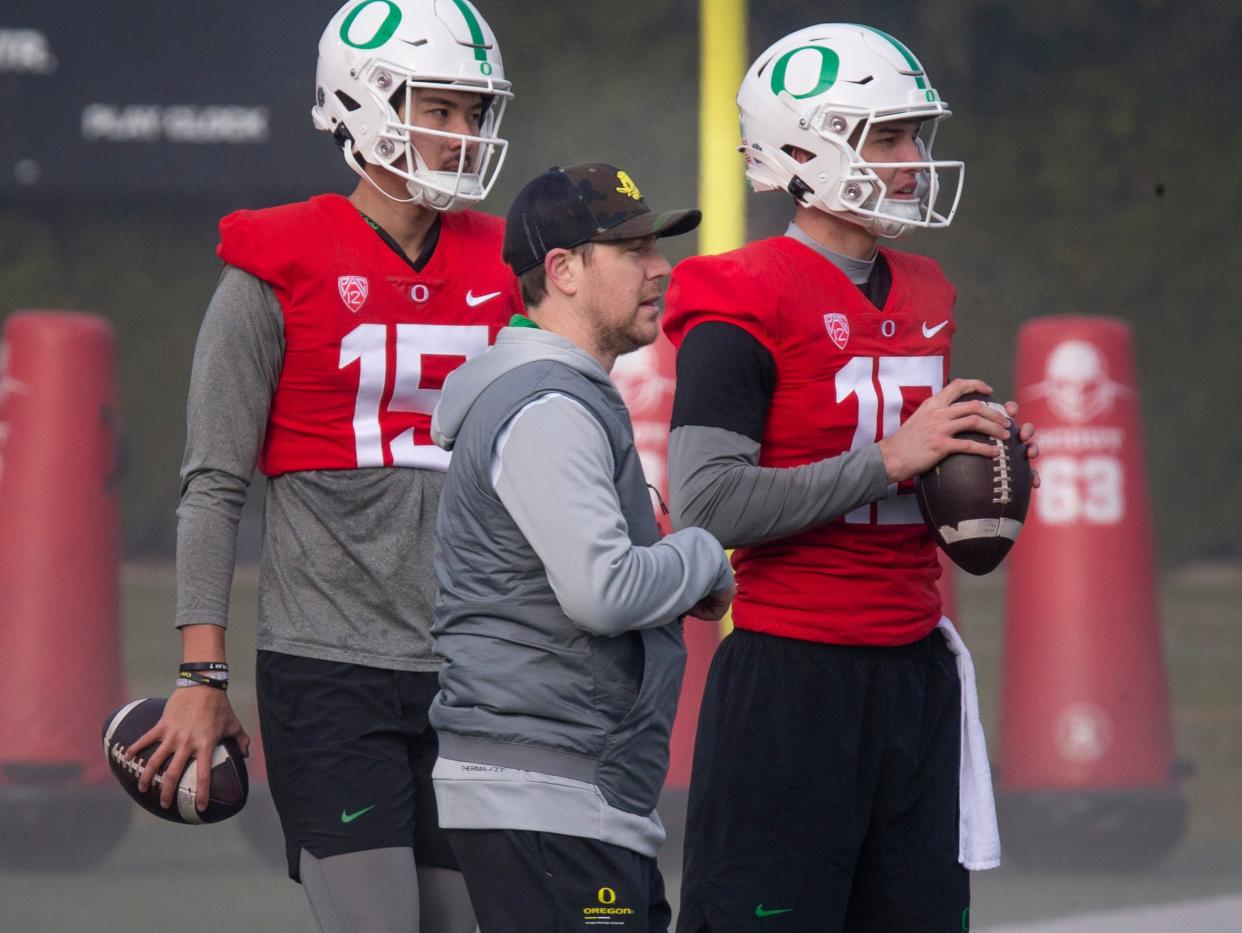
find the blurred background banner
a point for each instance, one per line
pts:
(156, 100)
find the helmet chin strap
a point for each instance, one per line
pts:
(894, 218)
(351, 159)
(886, 227)
(436, 200)
(428, 198)
(443, 200)
(911, 209)
(890, 226)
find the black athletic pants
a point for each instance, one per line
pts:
(349, 755)
(534, 882)
(824, 795)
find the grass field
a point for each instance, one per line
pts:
(210, 879)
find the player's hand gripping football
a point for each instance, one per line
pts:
(714, 605)
(929, 435)
(195, 720)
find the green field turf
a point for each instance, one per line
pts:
(209, 879)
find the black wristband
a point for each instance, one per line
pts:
(204, 666)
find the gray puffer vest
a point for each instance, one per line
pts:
(521, 685)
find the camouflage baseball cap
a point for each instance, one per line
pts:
(565, 207)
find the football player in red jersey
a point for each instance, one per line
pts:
(812, 386)
(320, 361)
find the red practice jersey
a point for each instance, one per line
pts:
(847, 374)
(368, 341)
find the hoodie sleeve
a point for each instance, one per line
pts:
(552, 469)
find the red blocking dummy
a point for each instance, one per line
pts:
(59, 558)
(1086, 763)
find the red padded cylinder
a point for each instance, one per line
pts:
(1085, 700)
(1086, 749)
(59, 545)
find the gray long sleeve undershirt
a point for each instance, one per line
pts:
(237, 362)
(715, 483)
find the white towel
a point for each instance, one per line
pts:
(978, 845)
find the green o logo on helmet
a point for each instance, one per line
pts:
(392, 20)
(829, 62)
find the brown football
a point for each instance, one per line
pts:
(975, 505)
(229, 781)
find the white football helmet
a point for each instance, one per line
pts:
(822, 90)
(373, 57)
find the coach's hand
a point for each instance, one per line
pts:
(195, 720)
(714, 605)
(928, 435)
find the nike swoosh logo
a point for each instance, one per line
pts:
(930, 332)
(475, 300)
(350, 817)
(760, 912)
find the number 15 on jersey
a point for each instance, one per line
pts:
(367, 345)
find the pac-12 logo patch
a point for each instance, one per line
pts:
(353, 289)
(838, 329)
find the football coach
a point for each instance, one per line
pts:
(559, 614)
